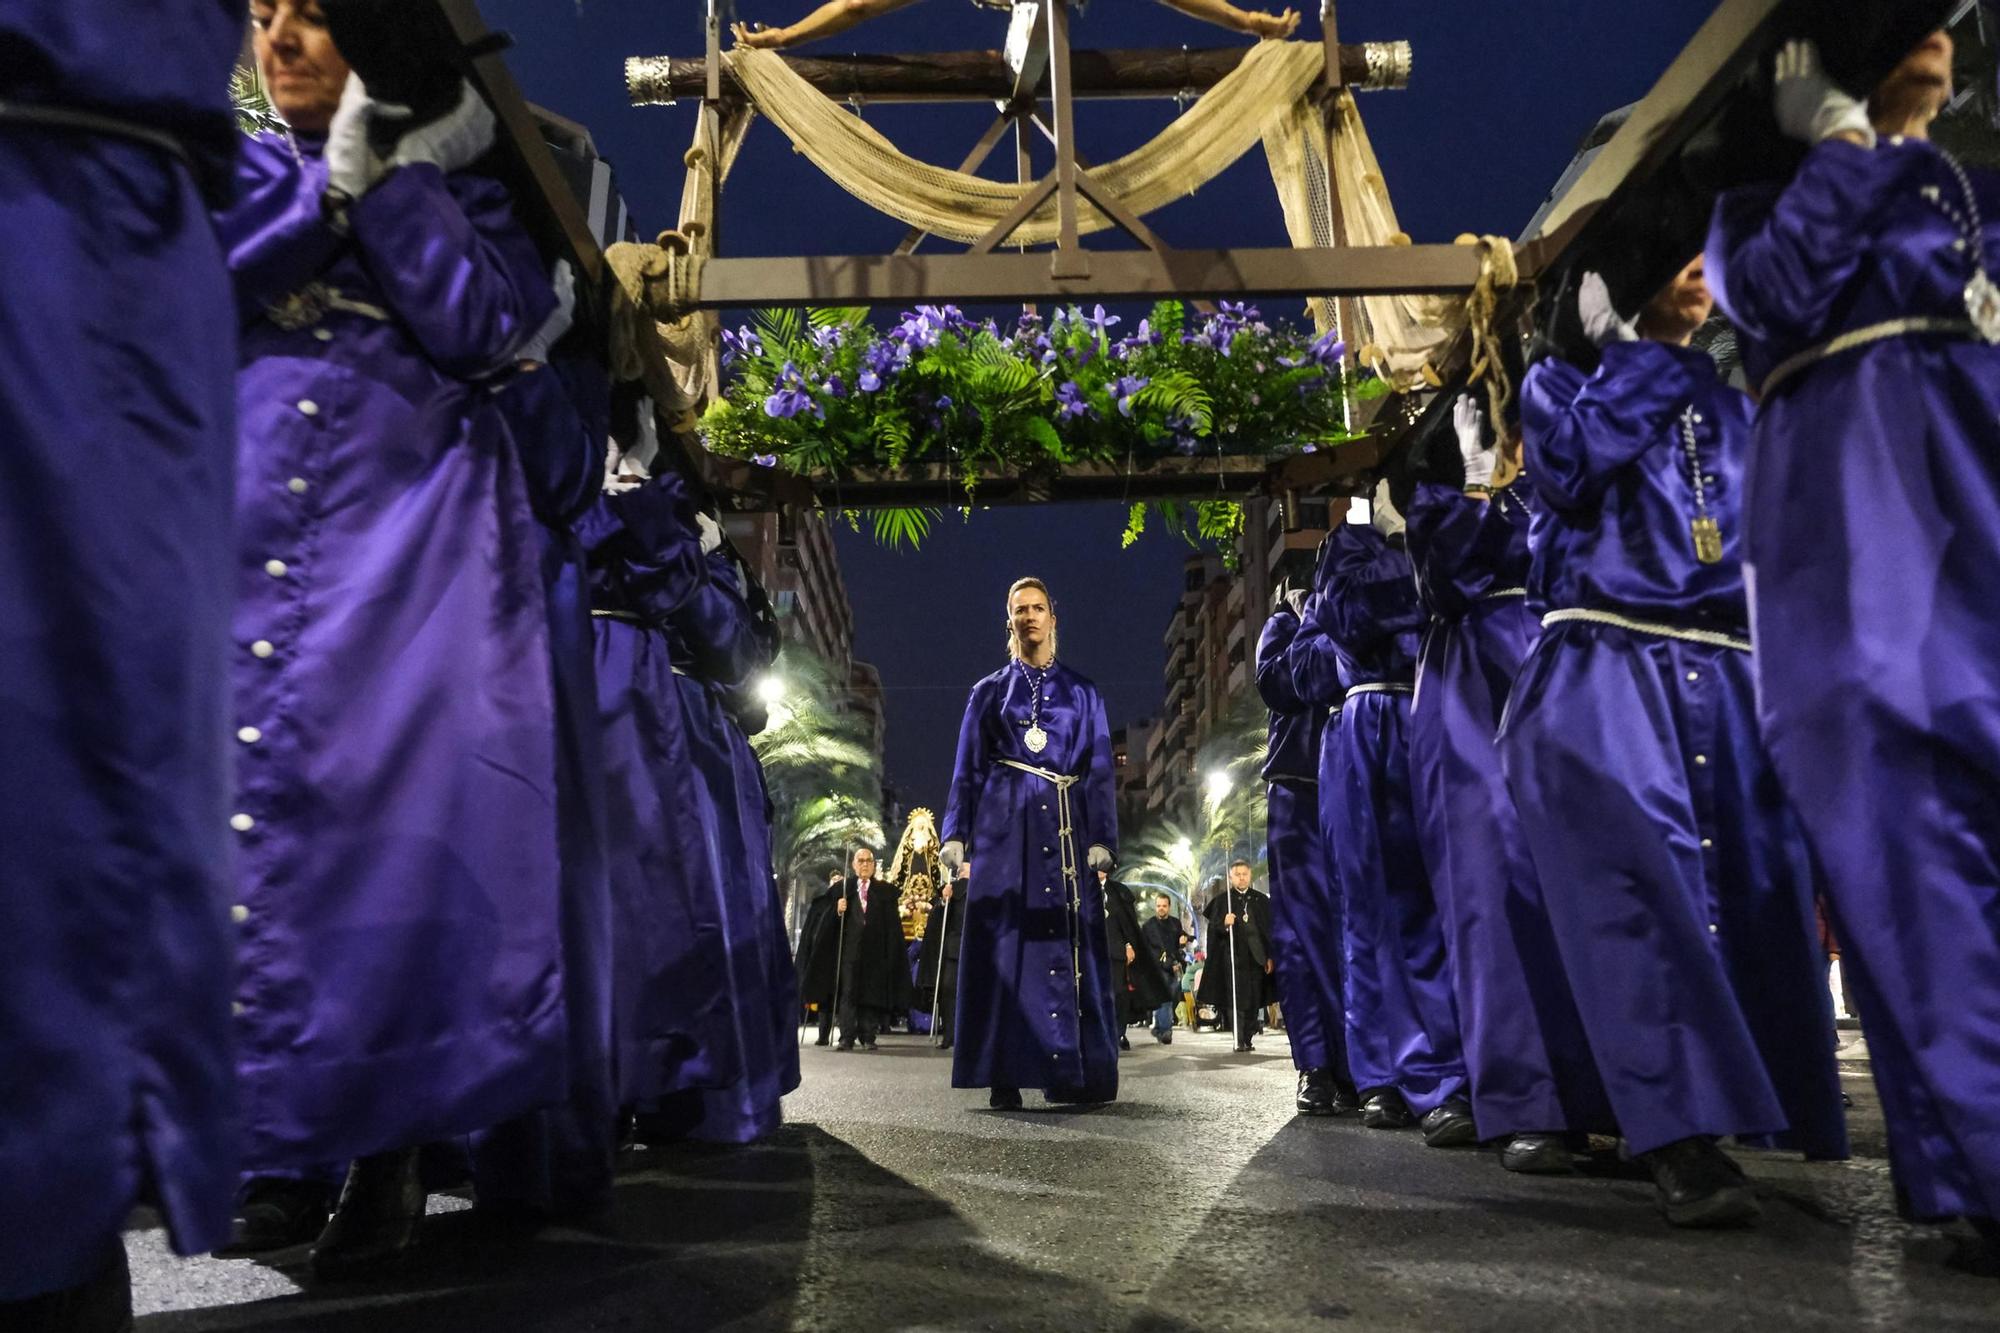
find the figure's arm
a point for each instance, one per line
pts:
(1577, 433)
(1225, 15)
(1370, 596)
(1274, 674)
(968, 777)
(1313, 662)
(829, 20)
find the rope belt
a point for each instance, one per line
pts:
(1867, 336)
(95, 122)
(1499, 593)
(1380, 687)
(1712, 638)
(1072, 881)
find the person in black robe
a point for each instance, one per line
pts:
(819, 947)
(1166, 941)
(874, 984)
(1243, 915)
(942, 933)
(1137, 987)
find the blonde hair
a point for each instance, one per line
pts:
(1014, 643)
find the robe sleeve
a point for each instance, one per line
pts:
(1275, 684)
(272, 232)
(557, 413)
(658, 543)
(1313, 663)
(1578, 433)
(1100, 782)
(718, 627)
(968, 773)
(455, 265)
(1370, 596)
(1459, 546)
(1779, 264)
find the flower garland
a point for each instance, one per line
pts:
(829, 393)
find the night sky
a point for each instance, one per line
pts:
(1500, 96)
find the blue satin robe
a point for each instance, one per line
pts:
(1035, 1007)
(1679, 886)
(1525, 1050)
(1874, 533)
(727, 644)
(1402, 1020)
(1305, 911)
(398, 903)
(117, 350)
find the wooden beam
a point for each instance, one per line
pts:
(850, 280)
(973, 161)
(983, 76)
(1229, 477)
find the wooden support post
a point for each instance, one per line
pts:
(973, 161)
(1070, 261)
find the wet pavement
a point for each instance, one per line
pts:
(1196, 1201)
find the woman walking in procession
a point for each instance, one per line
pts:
(1032, 805)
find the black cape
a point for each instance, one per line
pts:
(818, 942)
(1253, 947)
(1163, 945)
(1139, 987)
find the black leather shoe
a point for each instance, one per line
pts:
(101, 1305)
(1345, 1099)
(1386, 1109)
(1124, 1042)
(1004, 1099)
(1450, 1125)
(1700, 1186)
(1315, 1095)
(845, 1046)
(1537, 1155)
(375, 1224)
(278, 1214)
(868, 1045)
(823, 1041)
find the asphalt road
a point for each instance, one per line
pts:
(1196, 1201)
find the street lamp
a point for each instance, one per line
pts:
(1181, 850)
(1219, 786)
(771, 691)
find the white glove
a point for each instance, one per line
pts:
(711, 533)
(1382, 514)
(352, 167)
(1470, 423)
(1100, 858)
(647, 447)
(1601, 323)
(952, 855)
(454, 140)
(536, 348)
(1296, 600)
(616, 480)
(1808, 104)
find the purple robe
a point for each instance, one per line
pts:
(1678, 884)
(1874, 533)
(1035, 1008)
(115, 574)
(1525, 1050)
(726, 644)
(1305, 925)
(670, 1005)
(1402, 1020)
(398, 915)
(558, 1160)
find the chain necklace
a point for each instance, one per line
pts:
(1707, 533)
(1982, 294)
(1035, 738)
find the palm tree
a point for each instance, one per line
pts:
(820, 768)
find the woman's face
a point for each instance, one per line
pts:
(1031, 617)
(302, 70)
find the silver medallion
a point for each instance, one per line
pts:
(1982, 302)
(1037, 739)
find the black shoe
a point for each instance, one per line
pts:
(868, 1045)
(1242, 1046)
(1386, 1109)
(1167, 1040)
(1004, 1099)
(846, 1044)
(375, 1225)
(101, 1305)
(278, 1214)
(1450, 1125)
(945, 1045)
(824, 1041)
(1700, 1186)
(1124, 1042)
(1537, 1155)
(1346, 1100)
(1315, 1095)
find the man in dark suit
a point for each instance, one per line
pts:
(1166, 942)
(874, 970)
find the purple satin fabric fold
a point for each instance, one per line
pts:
(115, 579)
(1035, 1008)
(1874, 532)
(1525, 1051)
(391, 664)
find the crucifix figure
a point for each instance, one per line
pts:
(837, 16)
